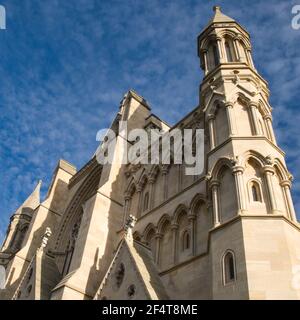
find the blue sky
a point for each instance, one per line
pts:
(65, 66)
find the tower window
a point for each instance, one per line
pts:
(229, 274)
(216, 55)
(255, 191)
(228, 52)
(146, 201)
(186, 241)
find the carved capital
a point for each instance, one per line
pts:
(127, 197)
(286, 183)
(211, 117)
(174, 226)
(214, 183)
(253, 104)
(268, 169)
(228, 104)
(158, 235)
(268, 117)
(238, 169)
(192, 217)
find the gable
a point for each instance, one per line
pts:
(131, 276)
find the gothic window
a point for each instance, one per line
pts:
(255, 192)
(119, 276)
(71, 244)
(186, 241)
(19, 237)
(229, 273)
(146, 201)
(228, 52)
(216, 55)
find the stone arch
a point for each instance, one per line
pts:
(183, 227)
(203, 222)
(283, 172)
(166, 257)
(182, 208)
(199, 197)
(254, 162)
(228, 262)
(162, 220)
(227, 193)
(241, 111)
(221, 122)
(73, 211)
(224, 161)
(258, 157)
(149, 237)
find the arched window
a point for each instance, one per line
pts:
(186, 241)
(228, 52)
(216, 55)
(146, 201)
(255, 192)
(19, 237)
(229, 273)
(71, 244)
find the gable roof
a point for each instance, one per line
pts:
(140, 258)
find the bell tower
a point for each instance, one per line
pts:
(248, 183)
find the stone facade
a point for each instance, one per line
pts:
(151, 231)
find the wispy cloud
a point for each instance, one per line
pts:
(65, 66)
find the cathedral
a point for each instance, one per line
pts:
(149, 231)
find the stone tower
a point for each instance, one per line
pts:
(245, 157)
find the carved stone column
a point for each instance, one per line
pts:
(268, 121)
(253, 110)
(165, 182)
(192, 219)
(211, 126)
(151, 192)
(215, 200)
(238, 171)
(140, 201)
(230, 118)
(269, 172)
(205, 62)
(236, 48)
(174, 228)
(127, 200)
(249, 56)
(158, 238)
(286, 186)
(220, 49)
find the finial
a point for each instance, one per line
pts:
(130, 222)
(217, 9)
(45, 238)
